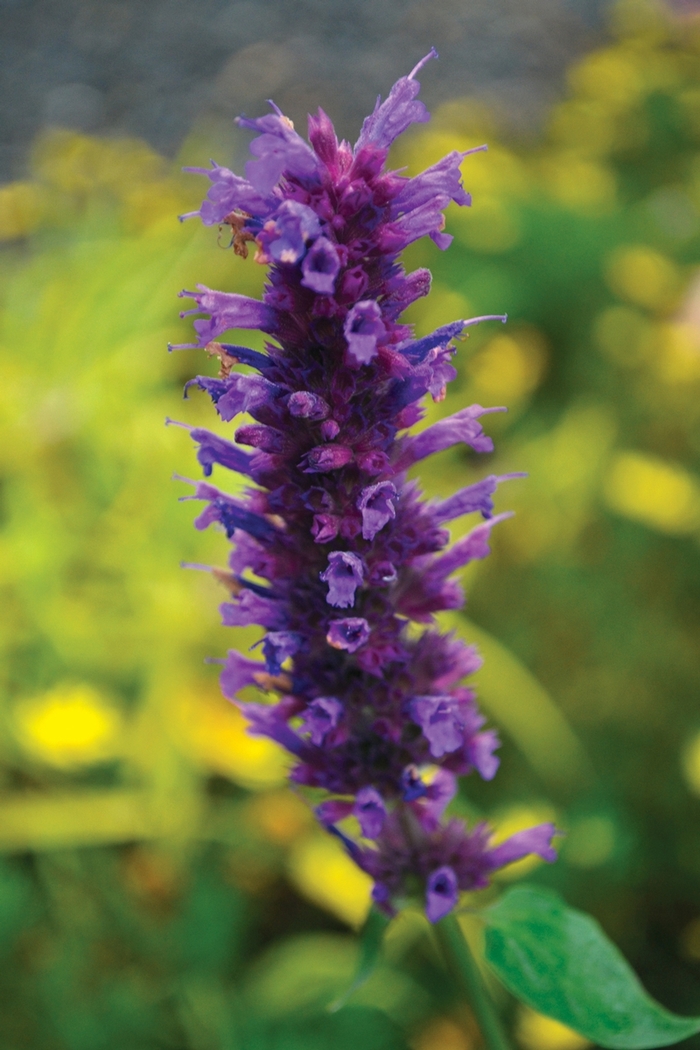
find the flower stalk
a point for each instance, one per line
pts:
(462, 965)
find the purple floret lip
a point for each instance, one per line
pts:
(370, 811)
(321, 266)
(374, 713)
(376, 504)
(350, 634)
(238, 672)
(537, 840)
(322, 716)
(344, 575)
(363, 328)
(440, 719)
(441, 893)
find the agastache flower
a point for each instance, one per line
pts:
(342, 547)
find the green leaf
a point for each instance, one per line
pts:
(371, 938)
(558, 961)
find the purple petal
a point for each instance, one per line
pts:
(467, 500)
(279, 150)
(304, 405)
(428, 219)
(439, 718)
(238, 672)
(344, 575)
(463, 426)
(443, 179)
(332, 811)
(533, 840)
(325, 527)
(472, 547)
(229, 193)
(277, 646)
(283, 237)
(441, 893)
(248, 608)
(321, 716)
(320, 267)
(481, 753)
(327, 457)
(229, 310)
(417, 350)
(349, 634)
(400, 110)
(442, 240)
(370, 810)
(363, 327)
(214, 449)
(271, 722)
(377, 508)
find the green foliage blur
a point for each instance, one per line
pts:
(160, 887)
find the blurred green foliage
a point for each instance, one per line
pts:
(160, 887)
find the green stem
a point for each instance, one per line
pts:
(462, 965)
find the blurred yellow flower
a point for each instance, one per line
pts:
(215, 734)
(442, 1033)
(659, 494)
(643, 276)
(322, 871)
(21, 209)
(615, 76)
(579, 183)
(536, 1032)
(508, 368)
(690, 763)
(624, 335)
(491, 228)
(280, 815)
(678, 359)
(69, 726)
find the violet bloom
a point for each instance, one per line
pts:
(371, 711)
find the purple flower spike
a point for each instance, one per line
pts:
(441, 893)
(370, 810)
(343, 576)
(321, 267)
(321, 716)
(363, 327)
(372, 708)
(377, 507)
(350, 634)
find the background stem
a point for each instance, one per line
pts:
(462, 965)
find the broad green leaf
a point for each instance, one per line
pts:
(558, 961)
(371, 938)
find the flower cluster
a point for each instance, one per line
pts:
(334, 552)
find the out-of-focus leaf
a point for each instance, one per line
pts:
(558, 961)
(371, 938)
(303, 974)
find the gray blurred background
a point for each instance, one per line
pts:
(151, 67)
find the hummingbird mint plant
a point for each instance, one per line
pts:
(336, 555)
